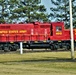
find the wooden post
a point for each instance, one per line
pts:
(21, 48)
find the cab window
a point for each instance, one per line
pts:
(58, 28)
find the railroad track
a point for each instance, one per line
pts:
(33, 50)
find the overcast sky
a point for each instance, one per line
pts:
(47, 4)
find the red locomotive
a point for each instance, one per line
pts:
(35, 35)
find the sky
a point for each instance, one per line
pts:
(47, 4)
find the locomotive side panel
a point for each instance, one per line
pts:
(42, 31)
(15, 32)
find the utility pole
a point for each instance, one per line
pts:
(71, 30)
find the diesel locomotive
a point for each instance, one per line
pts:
(52, 35)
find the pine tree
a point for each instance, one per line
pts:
(4, 12)
(22, 11)
(27, 11)
(74, 12)
(60, 11)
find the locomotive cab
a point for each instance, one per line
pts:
(57, 30)
(59, 36)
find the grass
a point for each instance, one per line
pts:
(38, 63)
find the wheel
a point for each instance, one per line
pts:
(6, 49)
(67, 47)
(13, 48)
(55, 47)
(52, 47)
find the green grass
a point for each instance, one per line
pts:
(38, 63)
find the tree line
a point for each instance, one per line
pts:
(60, 11)
(22, 11)
(31, 10)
